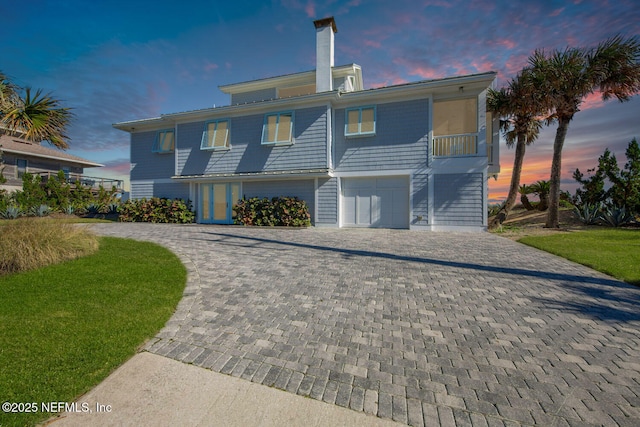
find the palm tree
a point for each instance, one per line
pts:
(565, 78)
(517, 104)
(524, 191)
(39, 118)
(8, 93)
(541, 189)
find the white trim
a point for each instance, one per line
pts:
(430, 196)
(330, 121)
(315, 200)
(373, 173)
(459, 228)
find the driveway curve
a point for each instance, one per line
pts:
(421, 328)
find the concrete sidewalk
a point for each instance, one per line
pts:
(152, 390)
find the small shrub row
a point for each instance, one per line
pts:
(30, 243)
(158, 210)
(279, 211)
(597, 213)
(56, 195)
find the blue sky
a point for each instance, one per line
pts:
(114, 61)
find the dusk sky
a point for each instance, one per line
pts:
(114, 61)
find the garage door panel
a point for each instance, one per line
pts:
(376, 202)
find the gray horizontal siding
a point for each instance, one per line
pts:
(458, 199)
(248, 155)
(420, 198)
(147, 190)
(327, 201)
(302, 189)
(144, 163)
(401, 140)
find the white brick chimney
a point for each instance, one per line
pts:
(325, 28)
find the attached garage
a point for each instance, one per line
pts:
(380, 202)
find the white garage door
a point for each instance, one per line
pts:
(375, 202)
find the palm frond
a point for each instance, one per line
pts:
(40, 118)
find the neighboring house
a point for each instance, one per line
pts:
(20, 156)
(415, 155)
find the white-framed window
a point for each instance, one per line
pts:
(215, 135)
(278, 128)
(165, 141)
(360, 121)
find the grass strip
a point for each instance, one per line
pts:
(66, 327)
(612, 251)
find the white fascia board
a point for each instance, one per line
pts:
(373, 173)
(472, 84)
(305, 77)
(139, 125)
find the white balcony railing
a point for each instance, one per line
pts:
(465, 144)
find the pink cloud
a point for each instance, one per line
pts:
(310, 9)
(372, 43)
(591, 101)
(506, 43)
(557, 12)
(210, 66)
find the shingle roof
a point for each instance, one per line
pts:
(15, 145)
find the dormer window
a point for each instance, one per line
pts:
(278, 128)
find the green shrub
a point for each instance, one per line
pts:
(158, 210)
(30, 243)
(279, 211)
(588, 213)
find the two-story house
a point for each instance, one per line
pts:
(20, 156)
(415, 155)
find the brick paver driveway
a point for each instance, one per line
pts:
(423, 328)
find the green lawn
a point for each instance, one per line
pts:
(613, 251)
(65, 327)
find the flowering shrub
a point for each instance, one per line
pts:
(175, 211)
(279, 211)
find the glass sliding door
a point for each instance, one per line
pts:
(217, 201)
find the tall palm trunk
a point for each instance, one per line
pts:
(553, 214)
(514, 188)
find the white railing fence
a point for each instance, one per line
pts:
(456, 145)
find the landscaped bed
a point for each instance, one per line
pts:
(65, 327)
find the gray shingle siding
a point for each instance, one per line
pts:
(458, 199)
(146, 164)
(327, 201)
(420, 198)
(401, 140)
(302, 189)
(149, 189)
(247, 154)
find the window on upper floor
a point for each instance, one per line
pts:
(455, 127)
(455, 117)
(278, 128)
(215, 135)
(360, 121)
(165, 141)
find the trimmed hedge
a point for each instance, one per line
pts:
(175, 211)
(279, 211)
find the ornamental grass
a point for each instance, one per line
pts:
(31, 243)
